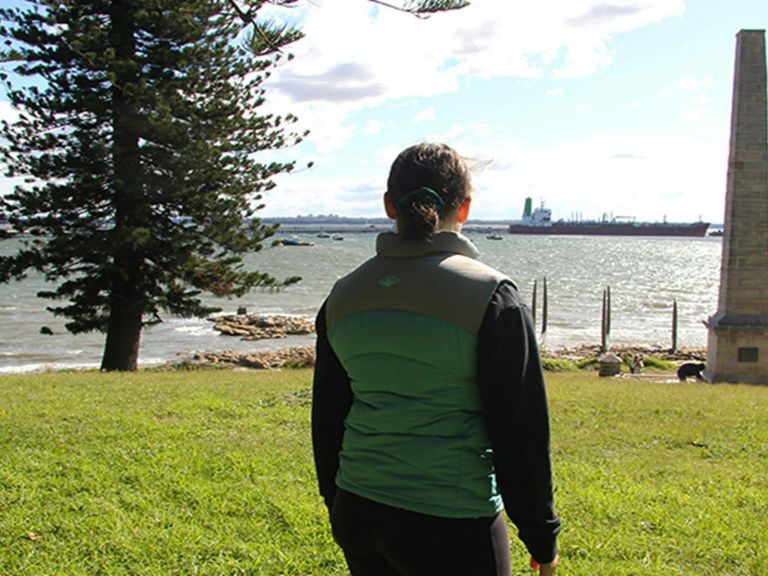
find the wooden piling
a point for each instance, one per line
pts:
(604, 323)
(674, 325)
(544, 309)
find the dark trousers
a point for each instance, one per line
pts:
(379, 540)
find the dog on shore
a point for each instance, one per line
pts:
(690, 369)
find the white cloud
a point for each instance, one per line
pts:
(307, 194)
(460, 134)
(8, 112)
(696, 115)
(644, 176)
(328, 123)
(373, 127)
(604, 14)
(559, 91)
(426, 115)
(356, 53)
(702, 100)
(686, 85)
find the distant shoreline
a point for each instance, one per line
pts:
(332, 220)
(374, 228)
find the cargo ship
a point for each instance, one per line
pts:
(539, 221)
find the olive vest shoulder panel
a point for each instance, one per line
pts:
(440, 279)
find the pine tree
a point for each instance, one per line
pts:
(142, 155)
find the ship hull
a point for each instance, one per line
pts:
(696, 230)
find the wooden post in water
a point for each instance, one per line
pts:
(674, 325)
(604, 323)
(533, 304)
(544, 310)
(608, 315)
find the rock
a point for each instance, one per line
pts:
(262, 327)
(296, 357)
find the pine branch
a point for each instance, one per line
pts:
(266, 38)
(424, 8)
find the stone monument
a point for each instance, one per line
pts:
(738, 331)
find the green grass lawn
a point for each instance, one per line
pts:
(210, 472)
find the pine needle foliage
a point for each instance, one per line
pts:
(424, 8)
(141, 151)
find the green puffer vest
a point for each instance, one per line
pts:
(404, 326)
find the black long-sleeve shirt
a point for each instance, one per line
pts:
(513, 395)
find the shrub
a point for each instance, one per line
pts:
(591, 363)
(557, 365)
(653, 363)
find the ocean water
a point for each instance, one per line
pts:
(645, 276)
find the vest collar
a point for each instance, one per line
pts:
(390, 245)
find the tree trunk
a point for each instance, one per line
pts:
(121, 349)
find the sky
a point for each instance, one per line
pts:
(592, 107)
(613, 107)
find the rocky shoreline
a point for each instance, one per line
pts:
(304, 356)
(294, 357)
(584, 351)
(256, 327)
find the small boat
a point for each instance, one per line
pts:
(337, 237)
(495, 237)
(295, 241)
(323, 235)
